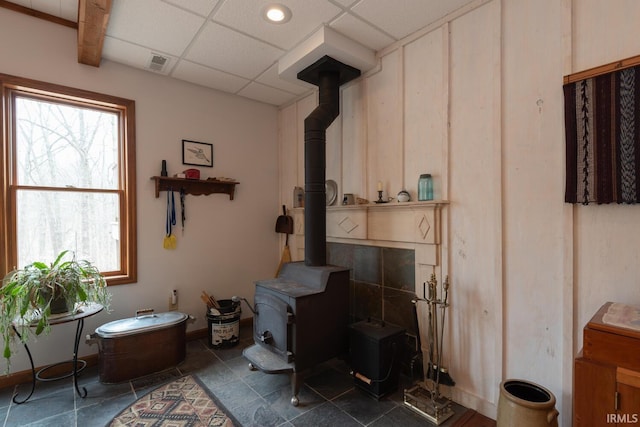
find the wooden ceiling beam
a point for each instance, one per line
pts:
(93, 18)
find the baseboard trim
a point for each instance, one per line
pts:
(474, 402)
(26, 376)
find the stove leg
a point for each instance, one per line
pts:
(296, 380)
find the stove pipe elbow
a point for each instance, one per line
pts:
(328, 74)
(315, 126)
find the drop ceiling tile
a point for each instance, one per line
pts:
(132, 54)
(402, 18)
(66, 9)
(357, 29)
(69, 10)
(52, 7)
(266, 94)
(154, 24)
(237, 44)
(346, 3)
(201, 7)
(270, 78)
(208, 77)
(227, 50)
(440, 9)
(246, 16)
(25, 3)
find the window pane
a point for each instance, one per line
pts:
(59, 145)
(52, 221)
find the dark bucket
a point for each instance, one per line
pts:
(224, 324)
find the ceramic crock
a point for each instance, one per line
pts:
(525, 404)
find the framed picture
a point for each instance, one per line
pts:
(197, 153)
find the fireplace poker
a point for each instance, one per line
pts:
(445, 288)
(425, 398)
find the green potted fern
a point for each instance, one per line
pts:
(32, 296)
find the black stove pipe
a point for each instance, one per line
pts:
(328, 74)
(315, 204)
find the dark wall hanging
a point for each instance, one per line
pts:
(602, 129)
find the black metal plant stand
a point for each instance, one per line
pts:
(77, 364)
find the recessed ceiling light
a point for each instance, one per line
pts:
(276, 13)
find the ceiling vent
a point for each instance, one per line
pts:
(157, 63)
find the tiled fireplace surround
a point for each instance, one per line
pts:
(391, 250)
(381, 287)
(382, 282)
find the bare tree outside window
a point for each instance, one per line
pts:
(64, 154)
(67, 179)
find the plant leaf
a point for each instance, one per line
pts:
(40, 265)
(62, 254)
(82, 294)
(40, 327)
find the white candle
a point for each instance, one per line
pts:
(379, 185)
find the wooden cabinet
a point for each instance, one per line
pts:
(594, 386)
(628, 394)
(606, 389)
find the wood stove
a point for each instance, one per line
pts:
(301, 317)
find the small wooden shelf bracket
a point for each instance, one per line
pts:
(196, 187)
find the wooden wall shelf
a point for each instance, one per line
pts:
(196, 187)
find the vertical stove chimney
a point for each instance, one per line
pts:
(328, 74)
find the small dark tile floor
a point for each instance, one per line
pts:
(327, 398)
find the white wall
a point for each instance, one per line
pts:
(534, 303)
(477, 100)
(431, 104)
(476, 245)
(607, 259)
(226, 245)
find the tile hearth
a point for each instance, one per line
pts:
(328, 397)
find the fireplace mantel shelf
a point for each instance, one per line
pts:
(394, 205)
(389, 205)
(412, 225)
(409, 225)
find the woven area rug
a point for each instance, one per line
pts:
(184, 402)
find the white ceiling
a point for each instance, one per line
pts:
(228, 46)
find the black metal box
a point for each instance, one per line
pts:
(375, 352)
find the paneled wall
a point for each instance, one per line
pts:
(475, 212)
(396, 123)
(476, 100)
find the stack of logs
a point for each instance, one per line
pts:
(209, 300)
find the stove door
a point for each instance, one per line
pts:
(272, 325)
